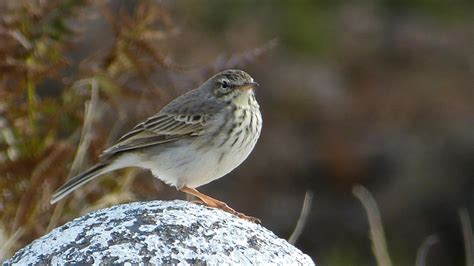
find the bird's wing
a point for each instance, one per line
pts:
(185, 116)
(158, 129)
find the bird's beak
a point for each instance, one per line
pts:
(248, 86)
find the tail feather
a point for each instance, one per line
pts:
(78, 181)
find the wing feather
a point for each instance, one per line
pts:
(158, 129)
(186, 116)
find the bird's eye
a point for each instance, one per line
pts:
(225, 84)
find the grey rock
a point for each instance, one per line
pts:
(159, 232)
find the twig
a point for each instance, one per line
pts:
(377, 235)
(422, 251)
(308, 200)
(13, 239)
(28, 198)
(83, 146)
(241, 59)
(467, 235)
(86, 136)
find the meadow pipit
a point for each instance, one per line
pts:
(197, 138)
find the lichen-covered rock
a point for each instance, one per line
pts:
(160, 232)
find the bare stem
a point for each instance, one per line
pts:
(31, 95)
(467, 235)
(308, 200)
(422, 252)
(377, 235)
(83, 146)
(89, 115)
(10, 242)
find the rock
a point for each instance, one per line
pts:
(160, 232)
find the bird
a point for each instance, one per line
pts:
(197, 138)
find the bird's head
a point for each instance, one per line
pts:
(232, 85)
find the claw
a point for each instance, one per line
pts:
(213, 203)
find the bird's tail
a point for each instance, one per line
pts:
(79, 180)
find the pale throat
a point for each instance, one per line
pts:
(245, 99)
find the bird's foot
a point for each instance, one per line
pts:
(223, 206)
(214, 203)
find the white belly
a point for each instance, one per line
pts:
(180, 166)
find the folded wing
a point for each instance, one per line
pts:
(159, 129)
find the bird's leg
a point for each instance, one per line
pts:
(214, 203)
(209, 201)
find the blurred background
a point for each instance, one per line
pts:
(377, 93)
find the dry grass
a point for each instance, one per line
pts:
(40, 132)
(377, 235)
(422, 252)
(301, 223)
(379, 243)
(466, 227)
